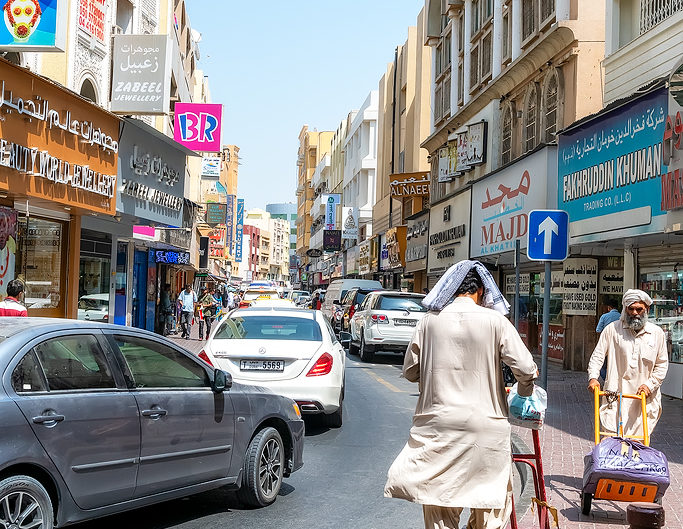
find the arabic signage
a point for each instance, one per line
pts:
(501, 203)
(211, 166)
(524, 284)
(448, 233)
(331, 240)
(580, 296)
(364, 258)
(613, 164)
(350, 223)
(470, 147)
(239, 227)
(171, 257)
(416, 243)
(555, 340)
(396, 246)
(198, 126)
(556, 283)
(409, 184)
(91, 18)
(331, 202)
(141, 77)
(55, 146)
(672, 180)
(152, 176)
(229, 221)
(216, 213)
(611, 282)
(34, 25)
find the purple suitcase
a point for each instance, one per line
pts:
(625, 460)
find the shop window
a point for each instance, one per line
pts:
(666, 311)
(94, 276)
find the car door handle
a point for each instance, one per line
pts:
(154, 413)
(43, 419)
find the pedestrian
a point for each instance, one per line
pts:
(425, 291)
(231, 300)
(187, 299)
(207, 305)
(637, 362)
(166, 309)
(11, 305)
(314, 301)
(458, 454)
(608, 317)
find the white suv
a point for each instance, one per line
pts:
(385, 321)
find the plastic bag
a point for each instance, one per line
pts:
(528, 412)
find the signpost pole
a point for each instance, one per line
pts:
(546, 327)
(517, 252)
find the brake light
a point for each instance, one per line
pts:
(243, 304)
(379, 318)
(322, 367)
(202, 354)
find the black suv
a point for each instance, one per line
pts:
(347, 307)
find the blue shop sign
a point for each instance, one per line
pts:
(613, 164)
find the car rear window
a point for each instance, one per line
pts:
(360, 296)
(269, 328)
(412, 304)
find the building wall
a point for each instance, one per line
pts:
(286, 211)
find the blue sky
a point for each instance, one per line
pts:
(276, 66)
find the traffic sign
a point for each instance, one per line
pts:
(548, 235)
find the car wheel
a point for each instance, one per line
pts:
(586, 500)
(366, 352)
(25, 503)
(263, 469)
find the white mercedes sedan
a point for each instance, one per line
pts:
(291, 351)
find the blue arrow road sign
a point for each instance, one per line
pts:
(548, 235)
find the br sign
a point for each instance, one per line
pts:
(548, 235)
(197, 126)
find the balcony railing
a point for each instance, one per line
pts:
(652, 12)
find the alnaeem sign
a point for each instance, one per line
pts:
(409, 184)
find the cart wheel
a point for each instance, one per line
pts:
(658, 501)
(586, 499)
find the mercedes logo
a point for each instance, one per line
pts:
(262, 350)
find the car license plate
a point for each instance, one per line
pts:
(262, 365)
(401, 321)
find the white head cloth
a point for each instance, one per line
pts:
(444, 290)
(634, 295)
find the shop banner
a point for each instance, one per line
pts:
(216, 213)
(331, 211)
(524, 284)
(364, 258)
(171, 257)
(239, 226)
(383, 253)
(8, 247)
(331, 240)
(229, 221)
(611, 165)
(180, 238)
(352, 261)
(409, 185)
(501, 203)
(556, 284)
(611, 282)
(672, 181)
(396, 247)
(211, 166)
(350, 223)
(197, 126)
(92, 18)
(580, 296)
(34, 25)
(141, 74)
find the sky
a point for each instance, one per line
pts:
(276, 66)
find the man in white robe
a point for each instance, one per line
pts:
(458, 453)
(637, 362)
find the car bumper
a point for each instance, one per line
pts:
(390, 340)
(321, 397)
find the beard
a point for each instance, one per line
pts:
(635, 322)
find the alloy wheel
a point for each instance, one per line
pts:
(270, 468)
(20, 510)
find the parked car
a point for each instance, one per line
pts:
(294, 295)
(292, 351)
(303, 301)
(345, 310)
(99, 419)
(385, 320)
(94, 307)
(338, 288)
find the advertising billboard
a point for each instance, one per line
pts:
(229, 221)
(350, 223)
(198, 126)
(211, 166)
(239, 226)
(331, 211)
(34, 25)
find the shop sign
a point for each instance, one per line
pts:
(416, 243)
(352, 260)
(611, 282)
(383, 253)
(211, 166)
(216, 213)
(91, 18)
(501, 203)
(615, 164)
(556, 283)
(331, 240)
(350, 223)
(580, 296)
(409, 185)
(555, 340)
(33, 25)
(448, 162)
(229, 221)
(449, 223)
(66, 148)
(672, 181)
(471, 147)
(171, 257)
(239, 226)
(375, 247)
(331, 211)
(197, 126)
(396, 246)
(364, 258)
(524, 284)
(141, 74)
(180, 238)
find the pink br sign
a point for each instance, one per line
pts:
(197, 126)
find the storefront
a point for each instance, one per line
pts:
(416, 251)
(449, 233)
(58, 164)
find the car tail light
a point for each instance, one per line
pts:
(380, 318)
(243, 304)
(202, 354)
(322, 367)
(106, 317)
(352, 309)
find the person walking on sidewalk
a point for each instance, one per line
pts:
(458, 454)
(11, 306)
(207, 306)
(187, 298)
(637, 362)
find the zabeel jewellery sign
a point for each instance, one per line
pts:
(56, 146)
(409, 184)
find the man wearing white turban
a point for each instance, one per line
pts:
(637, 362)
(458, 451)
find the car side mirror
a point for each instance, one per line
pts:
(345, 338)
(221, 381)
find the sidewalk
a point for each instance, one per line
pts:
(194, 344)
(568, 435)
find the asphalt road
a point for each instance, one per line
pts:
(341, 483)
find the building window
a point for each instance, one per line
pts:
(530, 119)
(547, 10)
(507, 45)
(461, 83)
(442, 78)
(550, 103)
(88, 90)
(486, 55)
(528, 18)
(474, 67)
(506, 139)
(476, 20)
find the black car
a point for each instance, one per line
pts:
(99, 419)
